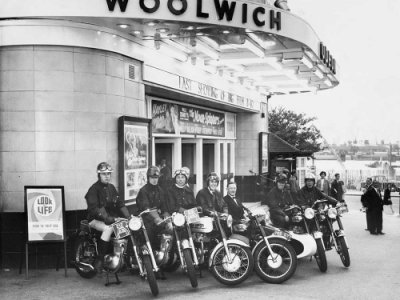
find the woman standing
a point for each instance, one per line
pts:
(386, 197)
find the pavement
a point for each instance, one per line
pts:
(373, 274)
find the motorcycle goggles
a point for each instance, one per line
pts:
(181, 172)
(104, 168)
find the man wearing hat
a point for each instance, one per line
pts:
(277, 199)
(323, 184)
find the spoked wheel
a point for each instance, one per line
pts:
(235, 271)
(278, 267)
(82, 262)
(151, 277)
(191, 272)
(343, 251)
(320, 256)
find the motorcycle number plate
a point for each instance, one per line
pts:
(192, 215)
(121, 229)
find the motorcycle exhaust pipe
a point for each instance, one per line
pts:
(85, 266)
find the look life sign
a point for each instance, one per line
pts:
(45, 213)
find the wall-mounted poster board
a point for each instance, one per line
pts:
(134, 148)
(263, 152)
(45, 217)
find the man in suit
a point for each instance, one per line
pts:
(323, 184)
(368, 184)
(372, 200)
(235, 206)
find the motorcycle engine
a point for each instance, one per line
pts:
(298, 229)
(113, 262)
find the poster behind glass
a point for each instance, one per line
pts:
(134, 136)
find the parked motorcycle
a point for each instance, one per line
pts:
(274, 257)
(184, 247)
(305, 240)
(326, 216)
(139, 255)
(229, 259)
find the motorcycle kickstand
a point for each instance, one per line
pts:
(117, 281)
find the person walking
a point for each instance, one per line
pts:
(323, 184)
(337, 190)
(387, 198)
(374, 206)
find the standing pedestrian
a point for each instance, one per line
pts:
(374, 206)
(368, 183)
(323, 184)
(337, 190)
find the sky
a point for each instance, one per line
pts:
(361, 35)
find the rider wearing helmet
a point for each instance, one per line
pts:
(104, 208)
(277, 199)
(180, 195)
(209, 198)
(152, 196)
(309, 193)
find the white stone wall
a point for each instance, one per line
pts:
(59, 108)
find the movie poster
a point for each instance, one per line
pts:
(45, 214)
(136, 158)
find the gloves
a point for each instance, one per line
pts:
(109, 220)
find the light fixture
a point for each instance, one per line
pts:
(162, 30)
(226, 31)
(123, 26)
(257, 50)
(207, 50)
(318, 73)
(137, 32)
(328, 82)
(173, 53)
(151, 24)
(307, 62)
(189, 28)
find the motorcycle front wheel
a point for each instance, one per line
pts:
(151, 277)
(320, 256)
(235, 272)
(81, 249)
(343, 251)
(187, 256)
(275, 268)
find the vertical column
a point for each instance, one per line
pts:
(225, 166)
(198, 166)
(177, 154)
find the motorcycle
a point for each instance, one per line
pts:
(229, 259)
(184, 250)
(326, 217)
(274, 257)
(139, 256)
(306, 241)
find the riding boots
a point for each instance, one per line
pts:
(102, 248)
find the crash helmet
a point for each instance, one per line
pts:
(309, 176)
(181, 171)
(153, 171)
(282, 178)
(212, 176)
(104, 167)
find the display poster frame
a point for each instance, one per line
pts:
(44, 208)
(134, 155)
(263, 153)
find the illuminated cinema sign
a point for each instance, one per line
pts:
(224, 10)
(327, 58)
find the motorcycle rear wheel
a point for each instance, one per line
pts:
(191, 272)
(320, 256)
(343, 251)
(242, 258)
(280, 270)
(151, 277)
(80, 257)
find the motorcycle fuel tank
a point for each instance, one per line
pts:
(205, 225)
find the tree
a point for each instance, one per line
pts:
(296, 129)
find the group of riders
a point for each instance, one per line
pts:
(105, 206)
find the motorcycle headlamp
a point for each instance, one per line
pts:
(178, 219)
(309, 213)
(229, 221)
(332, 213)
(135, 223)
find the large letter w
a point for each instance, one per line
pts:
(122, 4)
